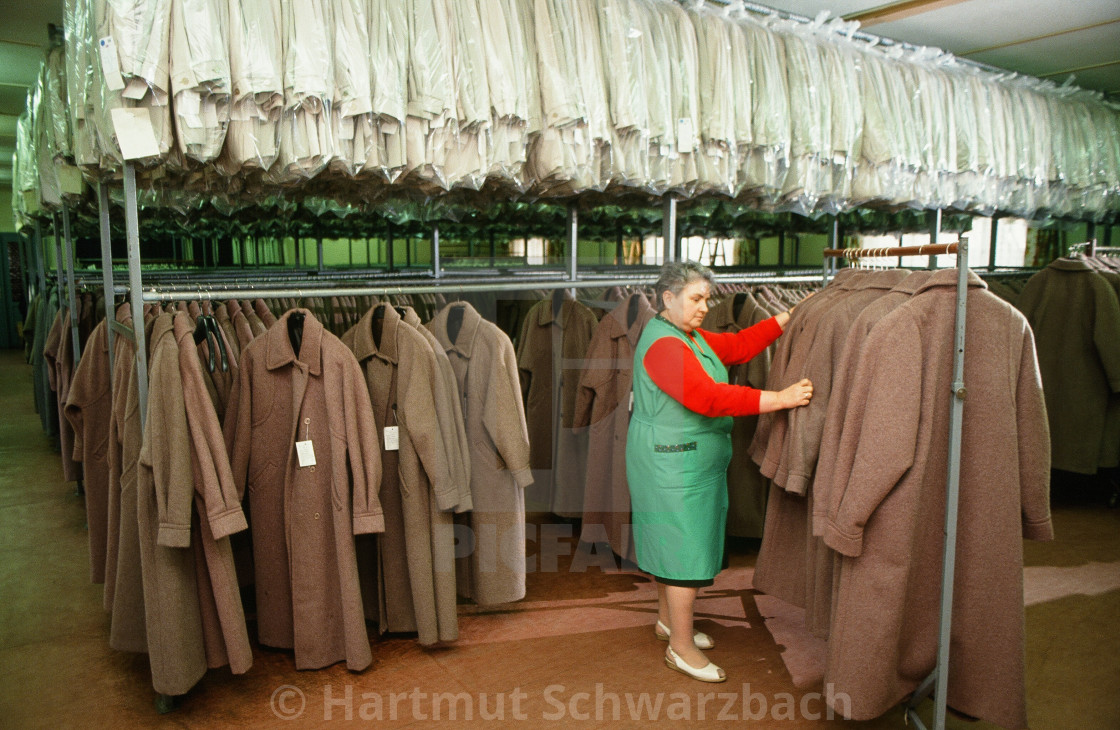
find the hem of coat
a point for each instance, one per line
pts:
(174, 536)
(842, 542)
(523, 477)
(366, 524)
(224, 524)
(1040, 530)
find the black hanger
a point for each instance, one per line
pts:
(295, 331)
(206, 328)
(454, 322)
(632, 310)
(737, 305)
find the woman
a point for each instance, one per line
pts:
(679, 447)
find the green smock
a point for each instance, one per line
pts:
(676, 466)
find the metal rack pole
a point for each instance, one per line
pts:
(934, 237)
(71, 293)
(573, 242)
(40, 264)
(136, 287)
(669, 229)
(436, 272)
(57, 231)
(957, 394)
(992, 244)
(107, 268)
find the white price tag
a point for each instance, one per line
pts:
(135, 135)
(392, 438)
(631, 401)
(110, 64)
(686, 136)
(305, 452)
(135, 90)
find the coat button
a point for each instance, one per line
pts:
(312, 468)
(316, 515)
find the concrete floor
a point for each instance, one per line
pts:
(576, 632)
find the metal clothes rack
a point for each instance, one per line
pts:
(938, 680)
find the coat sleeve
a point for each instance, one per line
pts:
(417, 411)
(1034, 444)
(597, 369)
(503, 413)
(888, 433)
(453, 430)
(733, 348)
(1106, 331)
(165, 453)
(363, 450)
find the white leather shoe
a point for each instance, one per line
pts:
(708, 673)
(702, 640)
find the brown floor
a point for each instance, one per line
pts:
(577, 631)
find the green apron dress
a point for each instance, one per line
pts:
(676, 466)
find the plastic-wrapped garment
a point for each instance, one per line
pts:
(811, 110)
(766, 166)
(25, 184)
(57, 125)
(310, 120)
(842, 65)
(48, 188)
(966, 164)
(200, 76)
(389, 41)
(1108, 130)
(256, 55)
(623, 28)
(512, 83)
(468, 153)
(716, 163)
(567, 154)
(431, 91)
(133, 47)
(80, 54)
(674, 115)
(744, 93)
(906, 131)
(353, 84)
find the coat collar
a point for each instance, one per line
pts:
(364, 346)
(948, 277)
(233, 307)
(545, 314)
(913, 282)
(621, 314)
(464, 344)
(1070, 264)
(280, 351)
(411, 318)
(162, 325)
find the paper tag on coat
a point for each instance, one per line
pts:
(686, 136)
(136, 90)
(392, 438)
(631, 401)
(305, 452)
(110, 64)
(135, 135)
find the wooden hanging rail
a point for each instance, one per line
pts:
(931, 249)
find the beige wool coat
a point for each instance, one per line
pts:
(304, 517)
(449, 413)
(485, 367)
(217, 515)
(87, 409)
(887, 504)
(603, 407)
(1075, 314)
(415, 555)
(553, 343)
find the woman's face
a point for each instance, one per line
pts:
(687, 309)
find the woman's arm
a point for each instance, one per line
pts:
(733, 348)
(674, 368)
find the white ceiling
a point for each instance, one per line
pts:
(1049, 38)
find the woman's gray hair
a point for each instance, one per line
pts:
(675, 276)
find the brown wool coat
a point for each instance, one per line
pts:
(59, 354)
(223, 315)
(414, 569)
(449, 414)
(87, 410)
(887, 511)
(746, 487)
(304, 518)
(1075, 314)
(485, 367)
(550, 357)
(217, 514)
(603, 406)
(165, 487)
(240, 324)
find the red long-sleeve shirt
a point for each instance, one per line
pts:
(675, 369)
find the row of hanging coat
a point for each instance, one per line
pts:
(399, 430)
(854, 523)
(1073, 306)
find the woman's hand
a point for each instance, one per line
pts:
(796, 395)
